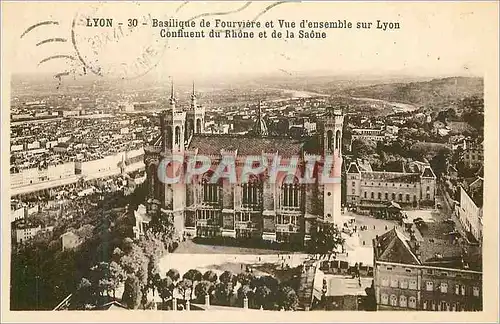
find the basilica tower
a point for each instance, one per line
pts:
(332, 148)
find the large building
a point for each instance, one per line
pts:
(283, 210)
(429, 275)
(414, 186)
(473, 154)
(470, 209)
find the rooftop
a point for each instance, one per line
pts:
(394, 246)
(212, 144)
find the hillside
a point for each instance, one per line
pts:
(422, 93)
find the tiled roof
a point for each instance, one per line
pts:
(393, 247)
(212, 144)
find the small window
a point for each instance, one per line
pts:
(385, 282)
(429, 286)
(402, 301)
(394, 283)
(408, 270)
(394, 300)
(389, 268)
(384, 299)
(475, 291)
(444, 287)
(403, 284)
(412, 302)
(445, 274)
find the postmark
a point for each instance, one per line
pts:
(118, 44)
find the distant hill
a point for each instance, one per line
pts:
(422, 93)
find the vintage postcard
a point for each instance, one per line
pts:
(260, 161)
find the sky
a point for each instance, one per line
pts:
(434, 39)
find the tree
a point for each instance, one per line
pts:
(245, 292)
(132, 294)
(193, 275)
(363, 149)
(227, 276)
(325, 239)
(173, 274)
(185, 287)
(203, 288)
(210, 276)
(245, 278)
(440, 161)
(116, 276)
(165, 288)
(224, 292)
(287, 298)
(84, 297)
(263, 297)
(99, 277)
(135, 263)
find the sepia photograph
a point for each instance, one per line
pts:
(265, 157)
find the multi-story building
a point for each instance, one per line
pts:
(426, 275)
(368, 134)
(473, 154)
(414, 186)
(26, 177)
(22, 231)
(284, 210)
(470, 211)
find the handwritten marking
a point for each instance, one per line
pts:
(48, 22)
(50, 40)
(54, 57)
(221, 13)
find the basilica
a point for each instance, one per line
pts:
(278, 211)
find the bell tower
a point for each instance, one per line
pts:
(178, 124)
(199, 114)
(332, 149)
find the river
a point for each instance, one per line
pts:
(397, 106)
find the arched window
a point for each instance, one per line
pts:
(198, 126)
(394, 300)
(407, 198)
(373, 195)
(251, 192)
(379, 195)
(402, 301)
(384, 299)
(400, 197)
(412, 302)
(329, 139)
(393, 196)
(290, 193)
(177, 135)
(338, 140)
(211, 191)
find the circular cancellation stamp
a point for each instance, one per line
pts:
(115, 43)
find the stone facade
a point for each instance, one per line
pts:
(412, 276)
(257, 207)
(369, 189)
